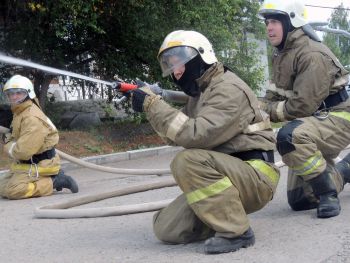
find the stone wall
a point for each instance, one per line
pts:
(89, 112)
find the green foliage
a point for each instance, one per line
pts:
(54, 112)
(93, 149)
(340, 45)
(122, 38)
(138, 118)
(108, 109)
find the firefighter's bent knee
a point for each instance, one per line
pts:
(285, 137)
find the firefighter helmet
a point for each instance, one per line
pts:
(294, 9)
(185, 45)
(18, 83)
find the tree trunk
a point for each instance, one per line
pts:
(41, 86)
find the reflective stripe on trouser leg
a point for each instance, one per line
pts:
(330, 137)
(314, 162)
(20, 186)
(306, 159)
(221, 189)
(209, 191)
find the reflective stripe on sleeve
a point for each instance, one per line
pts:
(279, 110)
(309, 166)
(281, 92)
(208, 191)
(259, 126)
(341, 81)
(175, 125)
(265, 169)
(11, 149)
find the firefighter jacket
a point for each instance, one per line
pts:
(32, 133)
(305, 73)
(224, 117)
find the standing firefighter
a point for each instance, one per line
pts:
(310, 93)
(227, 168)
(35, 170)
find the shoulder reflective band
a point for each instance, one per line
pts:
(208, 191)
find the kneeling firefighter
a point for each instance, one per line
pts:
(309, 92)
(227, 168)
(31, 142)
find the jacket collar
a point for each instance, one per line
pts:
(292, 37)
(17, 109)
(209, 74)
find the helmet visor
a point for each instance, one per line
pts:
(16, 96)
(175, 57)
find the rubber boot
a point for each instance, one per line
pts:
(216, 245)
(61, 181)
(325, 191)
(343, 168)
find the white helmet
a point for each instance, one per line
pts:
(294, 9)
(18, 83)
(185, 45)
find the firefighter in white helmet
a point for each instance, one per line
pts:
(227, 169)
(31, 142)
(309, 91)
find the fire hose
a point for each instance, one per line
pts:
(60, 210)
(112, 169)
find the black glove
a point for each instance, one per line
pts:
(138, 97)
(6, 116)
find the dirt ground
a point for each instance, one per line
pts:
(104, 139)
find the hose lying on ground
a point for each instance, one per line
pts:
(112, 169)
(60, 210)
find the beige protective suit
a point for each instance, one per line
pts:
(33, 135)
(310, 92)
(221, 178)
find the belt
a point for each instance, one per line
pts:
(334, 99)
(49, 154)
(266, 156)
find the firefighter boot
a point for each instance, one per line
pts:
(325, 191)
(61, 181)
(343, 168)
(216, 245)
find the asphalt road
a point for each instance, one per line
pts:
(282, 235)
